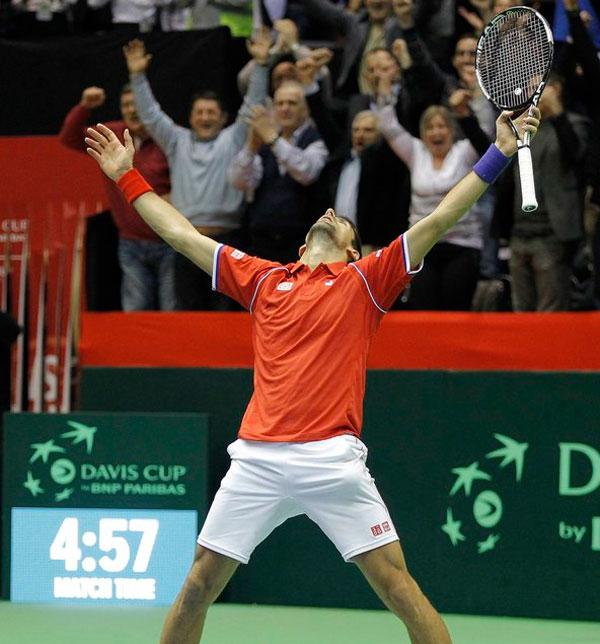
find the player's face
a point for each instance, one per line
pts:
(364, 132)
(130, 115)
(437, 136)
(336, 229)
(290, 107)
(207, 119)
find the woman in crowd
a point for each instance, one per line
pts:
(437, 162)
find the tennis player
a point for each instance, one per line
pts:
(299, 449)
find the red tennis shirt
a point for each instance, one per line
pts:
(311, 333)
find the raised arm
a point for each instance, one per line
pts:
(73, 128)
(309, 69)
(258, 85)
(399, 139)
(116, 161)
(161, 127)
(428, 231)
(459, 104)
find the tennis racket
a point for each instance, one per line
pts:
(514, 57)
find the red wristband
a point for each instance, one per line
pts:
(133, 185)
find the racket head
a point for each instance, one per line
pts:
(514, 57)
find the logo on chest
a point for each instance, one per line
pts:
(329, 283)
(285, 286)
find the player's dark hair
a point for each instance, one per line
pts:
(126, 89)
(208, 95)
(356, 243)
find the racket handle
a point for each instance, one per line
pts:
(529, 203)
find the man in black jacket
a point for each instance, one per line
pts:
(365, 180)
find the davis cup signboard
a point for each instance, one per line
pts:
(101, 508)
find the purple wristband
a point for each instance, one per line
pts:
(491, 165)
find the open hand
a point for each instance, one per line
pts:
(259, 45)
(114, 158)
(136, 57)
(92, 97)
(307, 71)
(472, 17)
(287, 34)
(321, 56)
(263, 124)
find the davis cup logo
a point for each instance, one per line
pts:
(56, 475)
(486, 509)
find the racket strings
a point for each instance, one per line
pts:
(513, 58)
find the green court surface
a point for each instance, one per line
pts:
(237, 624)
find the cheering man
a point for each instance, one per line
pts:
(298, 450)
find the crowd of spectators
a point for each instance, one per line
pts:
(36, 19)
(372, 107)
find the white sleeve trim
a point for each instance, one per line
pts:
(215, 270)
(260, 281)
(406, 254)
(355, 267)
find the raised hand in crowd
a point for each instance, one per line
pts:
(259, 46)
(136, 57)
(400, 51)
(404, 12)
(287, 36)
(478, 18)
(263, 125)
(321, 56)
(310, 67)
(92, 97)
(307, 71)
(459, 101)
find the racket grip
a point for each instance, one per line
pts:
(529, 203)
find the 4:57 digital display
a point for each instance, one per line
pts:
(112, 538)
(100, 555)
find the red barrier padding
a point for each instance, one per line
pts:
(423, 340)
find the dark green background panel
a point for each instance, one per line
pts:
(419, 427)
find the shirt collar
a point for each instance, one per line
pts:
(335, 268)
(299, 131)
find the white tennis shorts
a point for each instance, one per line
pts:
(268, 483)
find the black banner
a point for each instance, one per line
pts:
(41, 81)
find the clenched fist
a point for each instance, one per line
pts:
(92, 97)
